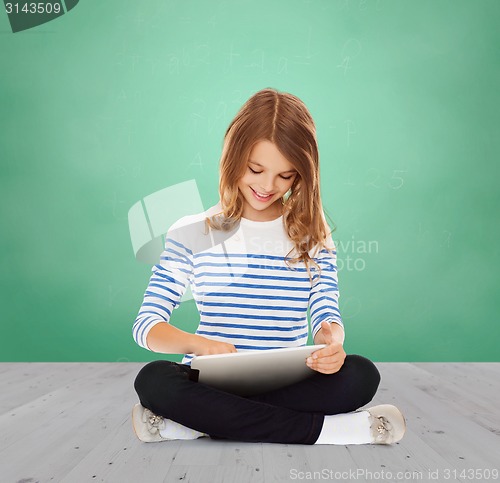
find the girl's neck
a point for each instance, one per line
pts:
(272, 213)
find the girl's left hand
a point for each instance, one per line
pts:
(331, 358)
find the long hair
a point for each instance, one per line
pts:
(284, 120)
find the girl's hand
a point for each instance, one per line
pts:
(206, 347)
(331, 358)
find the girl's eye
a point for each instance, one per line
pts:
(258, 172)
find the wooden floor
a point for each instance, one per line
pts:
(70, 422)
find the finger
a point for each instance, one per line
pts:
(316, 356)
(327, 351)
(325, 360)
(334, 359)
(327, 367)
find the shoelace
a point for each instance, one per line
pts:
(154, 422)
(382, 427)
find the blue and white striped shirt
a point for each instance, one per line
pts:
(245, 293)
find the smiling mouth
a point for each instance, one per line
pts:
(260, 196)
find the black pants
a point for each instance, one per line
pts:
(293, 414)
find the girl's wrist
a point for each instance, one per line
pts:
(195, 344)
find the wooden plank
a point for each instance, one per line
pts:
(470, 402)
(30, 381)
(408, 460)
(18, 374)
(491, 370)
(58, 431)
(461, 442)
(214, 474)
(81, 431)
(6, 366)
(280, 461)
(200, 452)
(19, 422)
(476, 381)
(207, 460)
(328, 462)
(247, 454)
(121, 457)
(160, 458)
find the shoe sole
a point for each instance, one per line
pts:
(136, 414)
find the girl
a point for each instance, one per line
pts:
(252, 295)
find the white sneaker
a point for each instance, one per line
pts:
(388, 424)
(148, 425)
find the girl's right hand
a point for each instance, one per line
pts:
(206, 347)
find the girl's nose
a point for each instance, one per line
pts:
(267, 187)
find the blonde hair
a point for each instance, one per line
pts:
(284, 120)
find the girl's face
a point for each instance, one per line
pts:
(267, 178)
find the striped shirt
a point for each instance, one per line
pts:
(245, 293)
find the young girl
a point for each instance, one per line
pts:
(252, 294)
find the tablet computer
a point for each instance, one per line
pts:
(253, 372)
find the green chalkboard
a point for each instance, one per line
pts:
(108, 105)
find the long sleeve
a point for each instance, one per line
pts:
(166, 286)
(324, 295)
